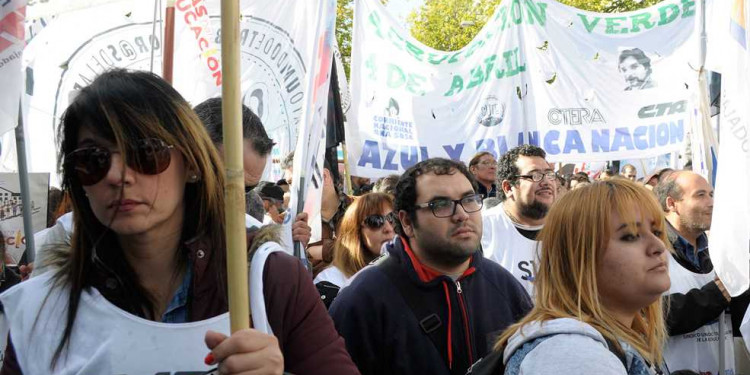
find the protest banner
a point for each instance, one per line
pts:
(11, 217)
(584, 86)
(308, 180)
(12, 14)
(730, 227)
(66, 51)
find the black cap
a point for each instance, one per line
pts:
(269, 190)
(282, 182)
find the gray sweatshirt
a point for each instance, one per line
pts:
(574, 348)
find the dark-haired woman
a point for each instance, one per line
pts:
(143, 288)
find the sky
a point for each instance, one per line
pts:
(401, 8)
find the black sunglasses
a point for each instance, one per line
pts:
(377, 221)
(91, 164)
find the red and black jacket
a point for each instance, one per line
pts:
(401, 317)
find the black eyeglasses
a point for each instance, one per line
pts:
(447, 207)
(537, 176)
(377, 221)
(91, 164)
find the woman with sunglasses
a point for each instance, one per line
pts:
(598, 289)
(365, 227)
(143, 287)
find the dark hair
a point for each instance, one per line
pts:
(254, 205)
(668, 187)
(475, 159)
(54, 198)
(507, 170)
(125, 107)
(580, 177)
(210, 113)
(406, 188)
(386, 184)
(638, 55)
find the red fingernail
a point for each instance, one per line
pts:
(209, 360)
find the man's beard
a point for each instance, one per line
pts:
(444, 252)
(535, 210)
(694, 226)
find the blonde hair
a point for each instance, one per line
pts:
(573, 239)
(349, 252)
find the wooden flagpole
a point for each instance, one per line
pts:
(168, 52)
(234, 191)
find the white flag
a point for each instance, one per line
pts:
(307, 182)
(730, 229)
(12, 14)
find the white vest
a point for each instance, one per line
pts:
(698, 350)
(333, 275)
(502, 243)
(108, 340)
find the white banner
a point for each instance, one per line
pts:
(69, 50)
(11, 49)
(307, 184)
(276, 50)
(730, 229)
(11, 210)
(584, 86)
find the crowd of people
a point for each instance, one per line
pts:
(501, 266)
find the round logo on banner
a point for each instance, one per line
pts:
(127, 46)
(492, 112)
(273, 77)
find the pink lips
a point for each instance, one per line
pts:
(462, 231)
(661, 267)
(125, 205)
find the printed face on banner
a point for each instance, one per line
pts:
(568, 83)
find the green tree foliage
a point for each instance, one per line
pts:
(344, 21)
(448, 25)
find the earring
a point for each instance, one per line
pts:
(194, 178)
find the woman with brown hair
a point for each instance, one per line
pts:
(142, 288)
(365, 227)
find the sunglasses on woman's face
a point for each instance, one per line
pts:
(377, 221)
(150, 156)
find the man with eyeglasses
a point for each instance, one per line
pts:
(528, 188)
(483, 166)
(433, 304)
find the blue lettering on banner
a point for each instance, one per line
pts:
(408, 156)
(454, 152)
(379, 155)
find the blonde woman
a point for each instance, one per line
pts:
(603, 270)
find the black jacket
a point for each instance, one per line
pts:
(689, 311)
(384, 336)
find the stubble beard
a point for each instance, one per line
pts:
(442, 252)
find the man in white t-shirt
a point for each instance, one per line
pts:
(528, 187)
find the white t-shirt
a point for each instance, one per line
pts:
(333, 275)
(502, 243)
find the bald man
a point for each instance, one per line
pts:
(697, 296)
